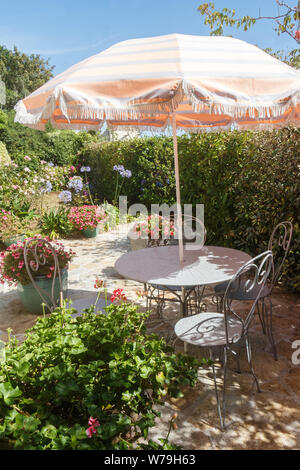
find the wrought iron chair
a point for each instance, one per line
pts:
(223, 330)
(193, 295)
(279, 244)
(34, 258)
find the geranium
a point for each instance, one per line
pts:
(87, 217)
(119, 295)
(155, 227)
(93, 425)
(12, 262)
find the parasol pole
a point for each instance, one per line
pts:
(178, 200)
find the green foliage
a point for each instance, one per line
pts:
(4, 156)
(59, 147)
(286, 21)
(69, 369)
(248, 182)
(55, 223)
(22, 74)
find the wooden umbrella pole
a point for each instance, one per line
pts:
(178, 200)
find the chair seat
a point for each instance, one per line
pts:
(238, 291)
(207, 329)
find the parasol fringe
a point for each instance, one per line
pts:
(214, 104)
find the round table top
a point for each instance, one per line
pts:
(160, 265)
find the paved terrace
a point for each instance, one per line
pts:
(267, 420)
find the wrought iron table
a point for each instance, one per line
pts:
(161, 266)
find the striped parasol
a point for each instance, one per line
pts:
(189, 82)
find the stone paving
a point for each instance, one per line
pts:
(266, 420)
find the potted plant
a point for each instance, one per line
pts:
(11, 228)
(13, 271)
(154, 228)
(88, 219)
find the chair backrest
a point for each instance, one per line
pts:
(193, 232)
(34, 259)
(251, 278)
(279, 244)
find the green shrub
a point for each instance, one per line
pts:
(101, 366)
(57, 146)
(248, 182)
(55, 223)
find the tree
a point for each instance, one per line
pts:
(22, 74)
(286, 22)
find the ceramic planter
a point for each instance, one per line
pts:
(14, 239)
(30, 297)
(91, 232)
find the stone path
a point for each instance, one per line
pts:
(266, 420)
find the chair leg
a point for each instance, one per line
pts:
(261, 317)
(249, 357)
(221, 405)
(268, 313)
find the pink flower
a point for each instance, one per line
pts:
(93, 425)
(27, 158)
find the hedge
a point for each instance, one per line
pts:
(248, 182)
(59, 147)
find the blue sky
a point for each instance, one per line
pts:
(67, 31)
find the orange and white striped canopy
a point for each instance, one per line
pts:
(202, 81)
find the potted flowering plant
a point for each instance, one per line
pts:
(11, 228)
(153, 228)
(88, 219)
(13, 270)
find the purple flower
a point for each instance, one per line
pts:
(65, 196)
(85, 169)
(128, 174)
(47, 188)
(50, 164)
(76, 184)
(158, 184)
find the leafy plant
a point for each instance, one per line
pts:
(101, 371)
(55, 223)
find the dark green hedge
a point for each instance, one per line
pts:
(59, 147)
(248, 181)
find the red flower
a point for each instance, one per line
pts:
(119, 295)
(297, 34)
(93, 425)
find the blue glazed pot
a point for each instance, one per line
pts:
(11, 240)
(30, 297)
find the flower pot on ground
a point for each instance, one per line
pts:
(14, 239)
(151, 230)
(13, 271)
(31, 298)
(88, 219)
